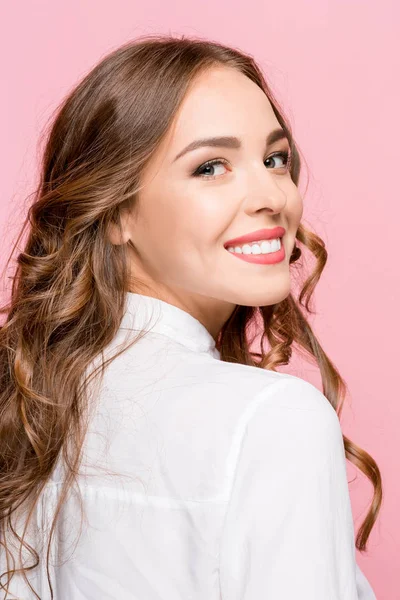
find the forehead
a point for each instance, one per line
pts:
(219, 102)
(222, 101)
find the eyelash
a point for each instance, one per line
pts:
(285, 154)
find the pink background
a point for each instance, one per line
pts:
(335, 68)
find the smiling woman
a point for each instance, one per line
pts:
(164, 225)
(248, 189)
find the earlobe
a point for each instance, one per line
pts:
(116, 234)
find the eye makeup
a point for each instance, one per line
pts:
(284, 154)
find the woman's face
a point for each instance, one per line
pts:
(186, 212)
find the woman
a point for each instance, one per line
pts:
(145, 451)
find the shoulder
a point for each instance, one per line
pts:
(248, 390)
(290, 423)
(288, 433)
(264, 411)
(291, 393)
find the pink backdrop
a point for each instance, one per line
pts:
(335, 67)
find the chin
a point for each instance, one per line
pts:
(267, 297)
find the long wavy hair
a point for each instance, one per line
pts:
(69, 286)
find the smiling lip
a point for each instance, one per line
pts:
(255, 236)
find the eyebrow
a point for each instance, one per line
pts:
(229, 142)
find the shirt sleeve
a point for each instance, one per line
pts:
(288, 530)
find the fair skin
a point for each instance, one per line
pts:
(176, 235)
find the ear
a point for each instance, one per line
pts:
(118, 233)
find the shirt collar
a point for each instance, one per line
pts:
(151, 314)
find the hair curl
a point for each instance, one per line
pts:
(69, 287)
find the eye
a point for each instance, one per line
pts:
(208, 169)
(284, 154)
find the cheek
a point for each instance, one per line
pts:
(172, 226)
(295, 207)
(196, 214)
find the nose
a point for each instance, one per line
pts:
(264, 191)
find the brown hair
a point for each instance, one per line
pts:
(69, 288)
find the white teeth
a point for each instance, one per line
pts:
(262, 247)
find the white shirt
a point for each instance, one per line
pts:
(230, 480)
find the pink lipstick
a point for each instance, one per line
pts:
(256, 236)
